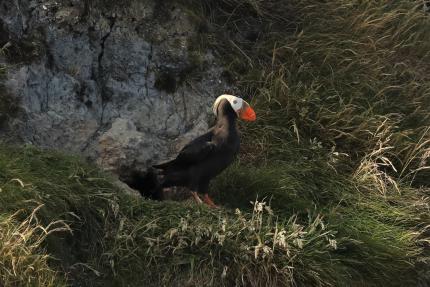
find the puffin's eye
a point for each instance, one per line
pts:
(234, 102)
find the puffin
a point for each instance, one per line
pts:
(203, 158)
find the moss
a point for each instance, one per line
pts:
(24, 50)
(9, 107)
(166, 81)
(9, 104)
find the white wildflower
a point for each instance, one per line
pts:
(256, 251)
(263, 249)
(197, 239)
(299, 242)
(266, 251)
(172, 232)
(268, 209)
(224, 272)
(260, 206)
(220, 238)
(333, 243)
(224, 225)
(281, 239)
(183, 224)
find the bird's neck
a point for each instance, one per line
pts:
(228, 121)
(227, 118)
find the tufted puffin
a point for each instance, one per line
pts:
(207, 155)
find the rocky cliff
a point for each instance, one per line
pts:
(118, 83)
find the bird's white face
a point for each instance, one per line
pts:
(240, 106)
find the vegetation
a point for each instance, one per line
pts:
(331, 188)
(8, 104)
(72, 212)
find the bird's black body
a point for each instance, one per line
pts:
(206, 156)
(198, 162)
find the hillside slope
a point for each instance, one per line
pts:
(63, 221)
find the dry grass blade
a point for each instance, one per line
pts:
(22, 256)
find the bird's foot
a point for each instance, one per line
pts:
(196, 197)
(209, 201)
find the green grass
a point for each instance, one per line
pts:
(375, 233)
(95, 235)
(331, 188)
(340, 79)
(106, 237)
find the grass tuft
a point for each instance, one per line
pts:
(301, 230)
(23, 260)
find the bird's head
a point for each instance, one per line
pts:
(239, 105)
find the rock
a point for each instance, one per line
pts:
(125, 188)
(121, 147)
(111, 82)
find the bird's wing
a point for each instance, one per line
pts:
(195, 151)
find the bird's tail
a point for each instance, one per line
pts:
(147, 183)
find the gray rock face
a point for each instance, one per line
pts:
(118, 83)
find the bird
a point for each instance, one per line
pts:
(204, 157)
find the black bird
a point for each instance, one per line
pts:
(206, 156)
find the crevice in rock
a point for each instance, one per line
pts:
(95, 134)
(146, 183)
(44, 103)
(103, 42)
(101, 77)
(184, 103)
(22, 18)
(150, 55)
(166, 81)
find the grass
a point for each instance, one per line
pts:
(22, 261)
(376, 233)
(95, 235)
(339, 79)
(331, 188)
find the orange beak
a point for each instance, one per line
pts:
(247, 114)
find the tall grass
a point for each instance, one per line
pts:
(70, 191)
(23, 261)
(223, 249)
(300, 231)
(105, 237)
(335, 71)
(341, 89)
